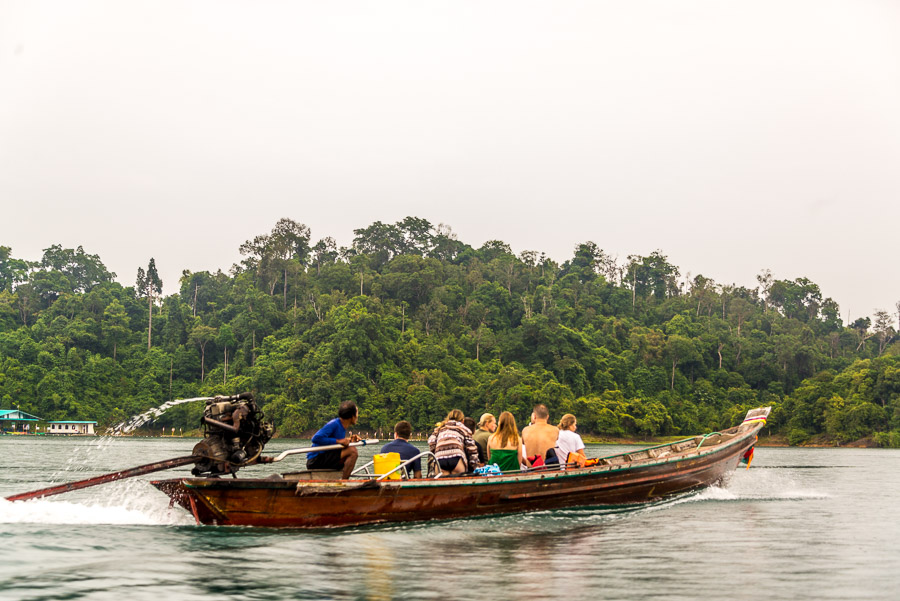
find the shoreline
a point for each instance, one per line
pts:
(770, 440)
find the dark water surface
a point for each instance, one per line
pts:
(800, 524)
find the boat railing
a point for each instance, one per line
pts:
(403, 465)
(547, 467)
(363, 471)
(716, 441)
(678, 446)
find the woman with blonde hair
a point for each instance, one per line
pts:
(503, 442)
(570, 447)
(452, 444)
(486, 426)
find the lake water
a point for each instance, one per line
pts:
(799, 524)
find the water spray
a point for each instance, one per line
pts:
(151, 414)
(235, 433)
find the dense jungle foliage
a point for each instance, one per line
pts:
(410, 322)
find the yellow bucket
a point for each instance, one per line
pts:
(385, 462)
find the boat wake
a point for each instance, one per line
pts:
(43, 511)
(754, 486)
(121, 504)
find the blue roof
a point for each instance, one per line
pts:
(14, 415)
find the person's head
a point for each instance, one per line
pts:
(507, 433)
(568, 422)
(469, 423)
(403, 430)
(488, 422)
(456, 415)
(348, 412)
(540, 413)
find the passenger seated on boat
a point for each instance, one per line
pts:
(452, 444)
(400, 445)
(469, 423)
(540, 436)
(569, 444)
(505, 445)
(487, 425)
(335, 432)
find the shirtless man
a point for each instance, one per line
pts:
(539, 436)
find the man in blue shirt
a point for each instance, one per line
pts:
(400, 444)
(332, 433)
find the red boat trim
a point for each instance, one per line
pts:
(194, 509)
(207, 503)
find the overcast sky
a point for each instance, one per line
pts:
(733, 136)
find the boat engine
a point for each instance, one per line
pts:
(235, 434)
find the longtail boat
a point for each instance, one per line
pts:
(306, 500)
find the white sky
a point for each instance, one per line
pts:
(733, 136)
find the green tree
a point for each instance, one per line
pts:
(679, 350)
(225, 340)
(12, 271)
(115, 324)
(149, 286)
(200, 336)
(83, 271)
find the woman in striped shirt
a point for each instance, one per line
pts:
(452, 444)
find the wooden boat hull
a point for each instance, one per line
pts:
(318, 504)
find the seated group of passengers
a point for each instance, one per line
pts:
(457, 444)
(459, 450)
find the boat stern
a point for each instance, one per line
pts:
(178, 492)
(175, 490)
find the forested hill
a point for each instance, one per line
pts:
(410, 322)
